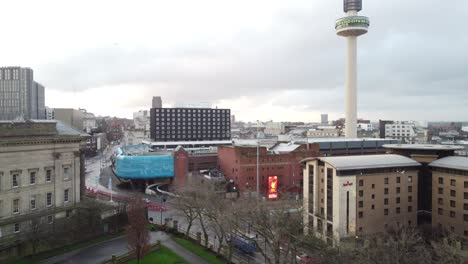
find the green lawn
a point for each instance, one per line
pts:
(198, 250)
(164, 255)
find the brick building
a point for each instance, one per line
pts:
(239, 163)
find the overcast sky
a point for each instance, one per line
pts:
(264, 59)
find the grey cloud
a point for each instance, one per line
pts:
(413, 48)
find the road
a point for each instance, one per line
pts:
(96, 254)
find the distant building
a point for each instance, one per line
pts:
(89, 121)
(42, 178)
(365, 127)
(402, 130)
(157, 102)
(70, 116)
(324, 118)
(323, 132)
(359, 195)
(190, 124)
(49, 113)
(142, 120)
(274, 128)
(20, 96)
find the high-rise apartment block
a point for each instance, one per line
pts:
(20, 96)
(190, 124)
(324, 119)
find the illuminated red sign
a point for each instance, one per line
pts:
(272, 187)
(346, 184)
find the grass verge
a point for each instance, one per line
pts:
(198, 250)
(164, 255)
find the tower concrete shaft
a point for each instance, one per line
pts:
(351, 88)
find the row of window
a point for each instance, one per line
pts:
(453, 182)
(453, 193)
(452, 214)
(16, 176)
(386, 191)
(50, 220)
(387, 211)
(16, 203)
(184, 110)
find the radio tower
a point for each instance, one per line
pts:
(351, 26)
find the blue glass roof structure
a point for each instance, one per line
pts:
(130, 166)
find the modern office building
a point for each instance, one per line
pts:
(157, 102)
(190, 124)
(359, 195)
(20, 96)
(41, 178)
(350, 27)
(324, 119)
(450, 195)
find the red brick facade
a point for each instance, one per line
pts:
(239, 163)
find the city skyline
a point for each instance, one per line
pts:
(279, 62)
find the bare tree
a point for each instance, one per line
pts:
(138, 235)
(185, 206)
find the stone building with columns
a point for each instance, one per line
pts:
(41, 178)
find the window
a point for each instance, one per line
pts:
(361, 183)
(66, 172)
(361, 214)
(465, 217)
(386, 191)
(410, 189)
(386, 201)
(398, 200)
(361, 193)
(398, 210)
(385, 211)
(48, 175)
(465, 206)
(466, 184)
(16, 206)
(453, 182)
(453, 193)
(452, 214)
(68, 213)
(50, 219)
(15, 180)
(361, 204)
(373, 196)
(373, 186)
(452, 203)
(441, 180)
(33, 203)
(16, 227)
(440, 201)
(410, 199)
(440, 211)
(385, 180)
(441, 190)
(410, 178)
(398, 179)
(410, 209)
(373, 207)
(398, 190)
(65, 195)
(32, 177)
(49, 199)
(465, 195)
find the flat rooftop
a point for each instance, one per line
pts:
(423, 147)
(368, 161)
(177, 143)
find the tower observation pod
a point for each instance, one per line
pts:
(351, 26)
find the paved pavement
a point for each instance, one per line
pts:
(96, 254)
